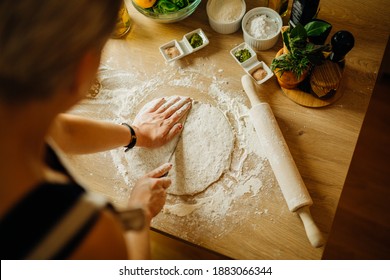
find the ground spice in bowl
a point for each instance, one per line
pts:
(172, 52)
(259, 74)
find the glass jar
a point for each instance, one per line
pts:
(123, 23)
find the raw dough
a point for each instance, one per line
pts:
(201, 157)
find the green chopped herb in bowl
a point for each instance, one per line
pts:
(195, 40)
(242, 55)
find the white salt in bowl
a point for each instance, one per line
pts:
(261, 36)
(224, 26)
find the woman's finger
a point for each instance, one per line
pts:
(160, 171)
(174, 131)
(178, 114)
(155, 105)
(164, 182)
(176, 106)
(150, 107)
(172, 100)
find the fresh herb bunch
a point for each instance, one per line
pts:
(295, 63)
(301, 54)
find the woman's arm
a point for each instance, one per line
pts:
(79, 135)
(156, 124)
(107, 239)
(149, 193)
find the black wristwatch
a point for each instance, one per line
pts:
(133, 139)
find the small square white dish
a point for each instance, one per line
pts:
(187, 38)
(183, 46)
(172, 51)
(257, 70)
(244, 46)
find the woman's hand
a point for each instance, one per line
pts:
(158, 121)
(149, 193)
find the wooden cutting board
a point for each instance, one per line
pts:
(327, 75)
(308, 100)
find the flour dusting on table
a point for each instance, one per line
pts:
(248, 178)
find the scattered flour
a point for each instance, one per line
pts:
(249, 176)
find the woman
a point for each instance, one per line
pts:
(49, 55)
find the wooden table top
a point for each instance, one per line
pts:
(321, 141)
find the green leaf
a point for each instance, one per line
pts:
(286, 41)
(316, 28)
(180, 3)
(166, 6)
(156, 9)
(298, 32)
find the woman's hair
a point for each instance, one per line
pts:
(42, 41)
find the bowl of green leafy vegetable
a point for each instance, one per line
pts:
(168, 11)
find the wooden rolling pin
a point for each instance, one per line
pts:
(281, 161)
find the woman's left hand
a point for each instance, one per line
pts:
(158, 121)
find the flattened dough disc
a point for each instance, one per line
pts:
(201, 157)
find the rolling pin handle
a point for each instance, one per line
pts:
(250, 90)
(313, 233)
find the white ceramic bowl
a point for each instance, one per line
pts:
(270, 41)
(225, 27)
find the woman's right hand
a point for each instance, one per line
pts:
(149, 193)
(158, 122)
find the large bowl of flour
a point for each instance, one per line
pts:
(225, 15)
(261, 28)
